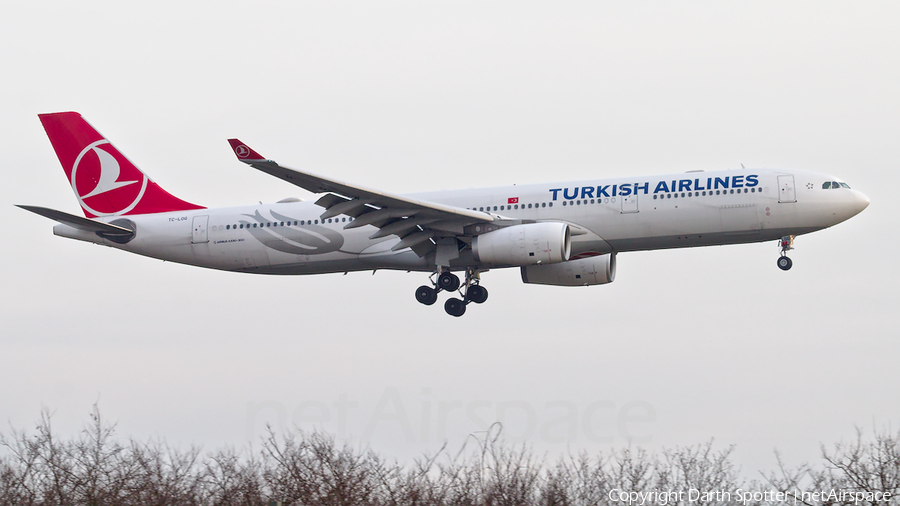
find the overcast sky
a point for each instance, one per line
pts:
(685, 346)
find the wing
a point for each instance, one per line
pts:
(419, 224)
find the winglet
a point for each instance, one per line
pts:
(244, 152)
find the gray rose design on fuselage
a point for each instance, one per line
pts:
(293, 239)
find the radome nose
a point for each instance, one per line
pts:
(860, 202)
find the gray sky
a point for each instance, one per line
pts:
(685, 345)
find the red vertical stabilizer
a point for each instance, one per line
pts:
(104, 181)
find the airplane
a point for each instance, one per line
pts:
(563, 234)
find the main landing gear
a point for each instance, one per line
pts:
(786, 243)
(447, 281)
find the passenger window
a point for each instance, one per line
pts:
(550, 204)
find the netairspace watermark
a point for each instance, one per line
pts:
(428, 419)
(693, 495)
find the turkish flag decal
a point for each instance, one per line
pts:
(512, 200)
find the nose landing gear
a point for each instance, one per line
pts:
(447, 281)
(786, 243)
(785, 263)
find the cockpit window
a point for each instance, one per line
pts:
(826, 185)
(845, 185)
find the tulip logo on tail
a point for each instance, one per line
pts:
(101, 187)
(241, 151)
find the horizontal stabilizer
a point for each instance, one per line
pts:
(86, 224)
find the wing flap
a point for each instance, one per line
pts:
(413, 239)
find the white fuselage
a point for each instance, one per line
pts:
(608, 215)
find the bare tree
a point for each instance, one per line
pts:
(857, 473)
(311, 468)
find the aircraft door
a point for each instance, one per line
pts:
(786, 192)
(199, 230)
(630, 204)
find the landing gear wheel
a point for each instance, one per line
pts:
(426, 295)
(448, 281)
(455, 307)
(785, 263)
(476, 294)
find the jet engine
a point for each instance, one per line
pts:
(528, 244)
(597, 270)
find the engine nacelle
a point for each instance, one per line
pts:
(529, 244)
(597, 270)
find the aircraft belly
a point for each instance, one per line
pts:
(705, 239)
(739, 219)
(681, 225)
(379, 255)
